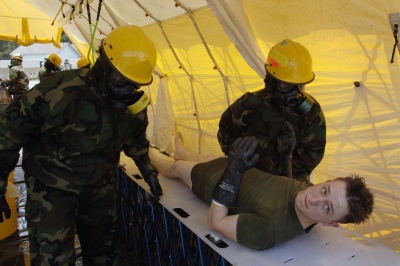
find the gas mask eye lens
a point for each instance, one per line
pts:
(117, 80)
(284, 87)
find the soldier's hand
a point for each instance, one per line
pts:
(286, 140)
(154, 184)
(241, 158)
(4, 208)
(241, 154)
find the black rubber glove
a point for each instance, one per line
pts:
(240, 159)
(154, 184)
(286, 144)
(4, 208)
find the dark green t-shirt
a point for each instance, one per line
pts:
(267, 216)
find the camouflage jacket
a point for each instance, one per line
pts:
(71, 134)
(18, 80)
(258, 114)
(45, 73)
(41, 72)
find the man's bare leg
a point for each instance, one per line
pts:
(184, 162)
(172, 169)
(181, 168)
(181, 153)
(164, 165)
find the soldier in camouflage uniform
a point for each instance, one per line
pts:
(264, 113)
(52, 64)
(18, 82)
(72, 128)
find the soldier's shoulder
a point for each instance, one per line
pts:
(250, 95)
(260, 93)
(62, 80)
(312, 97)
(254, 98)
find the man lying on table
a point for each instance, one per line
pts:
(257, 209)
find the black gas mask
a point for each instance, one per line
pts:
(15, 62)
(290, 96)
(121, 88)
(127, 93)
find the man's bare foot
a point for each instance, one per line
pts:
(179, 153)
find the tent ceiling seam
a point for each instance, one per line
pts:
(81, 14)
(148, 13)
(216, 66)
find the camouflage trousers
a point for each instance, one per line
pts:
(54, 216)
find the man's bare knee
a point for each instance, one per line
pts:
(183, 170)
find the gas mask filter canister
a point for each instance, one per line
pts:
(303, 106)
(127, 93)
(294, 98)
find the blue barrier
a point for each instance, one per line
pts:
(153, 235)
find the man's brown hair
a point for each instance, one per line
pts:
(359, 198)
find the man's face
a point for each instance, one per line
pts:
(325, 202)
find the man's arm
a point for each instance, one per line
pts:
(219, 221)
(138, 150)
(13, 77)
(286, 143)
(225, 193)
(233, 121)
(310, 151)
(8, 160)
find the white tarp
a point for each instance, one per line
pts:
(211, 52)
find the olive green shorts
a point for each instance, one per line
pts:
(205, 176)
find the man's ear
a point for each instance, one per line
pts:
(334, 224)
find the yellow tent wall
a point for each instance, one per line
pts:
(211, 52)
(22, 23)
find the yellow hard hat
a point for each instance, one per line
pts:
(290, 62)
(82, 62)
(131, 53)
(55, 59)
(17, 56)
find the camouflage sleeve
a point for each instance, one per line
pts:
(8, 161)
(17, 126)
(311, 148)
(138, 148)
(234, 121)
(13, 77)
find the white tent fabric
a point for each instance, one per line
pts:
(211, 52)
